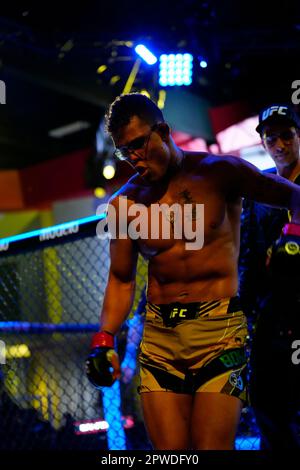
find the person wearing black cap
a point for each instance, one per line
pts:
(272, 298)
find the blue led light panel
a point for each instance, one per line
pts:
(175, 69)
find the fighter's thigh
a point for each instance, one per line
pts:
(167, 418)
(215, 419)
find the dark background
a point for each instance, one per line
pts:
(50, 52)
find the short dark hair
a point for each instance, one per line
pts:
(128, 105)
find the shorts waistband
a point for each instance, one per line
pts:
(176, 312)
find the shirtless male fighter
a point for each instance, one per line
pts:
(192, 359)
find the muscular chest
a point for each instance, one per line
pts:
(189, 207)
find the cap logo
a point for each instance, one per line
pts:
(274, 109)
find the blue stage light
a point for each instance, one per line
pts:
(145, 54)
(175, 69)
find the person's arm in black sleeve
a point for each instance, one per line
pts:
(247, 269)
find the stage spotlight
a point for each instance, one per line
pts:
(109, 168)
(145, 54)
(203, 63)
(175, 69)
(99, 192)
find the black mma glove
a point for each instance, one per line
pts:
(102, 364)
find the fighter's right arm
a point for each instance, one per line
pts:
(102, 364)
(120, 287)
(119, 293)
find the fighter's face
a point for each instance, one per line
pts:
(144, 148)
(282, 143)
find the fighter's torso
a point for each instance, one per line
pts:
(181, 267)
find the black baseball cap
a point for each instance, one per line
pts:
(277, 113)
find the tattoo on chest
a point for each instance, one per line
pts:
(185, 197)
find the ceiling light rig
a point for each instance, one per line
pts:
(170, 69)
(175, 69)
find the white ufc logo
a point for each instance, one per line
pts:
(274, 109)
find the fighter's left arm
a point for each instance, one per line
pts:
(245, 180)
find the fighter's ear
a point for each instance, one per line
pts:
(164, 130)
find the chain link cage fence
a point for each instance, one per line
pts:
(52, 284)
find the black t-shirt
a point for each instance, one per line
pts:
(260, 227)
